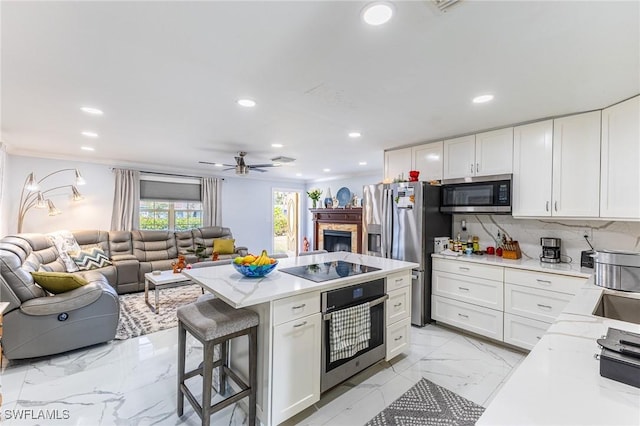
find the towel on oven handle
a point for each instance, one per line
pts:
(349, 331)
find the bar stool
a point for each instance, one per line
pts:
(213, 322)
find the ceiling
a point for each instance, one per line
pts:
(168, 74)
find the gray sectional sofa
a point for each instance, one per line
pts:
(37, 323)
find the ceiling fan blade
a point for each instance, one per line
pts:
(216, 164)
(253, 169)
(264, 165)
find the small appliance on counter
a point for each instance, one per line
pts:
(620, 356)
(617, 270)
(550, 250)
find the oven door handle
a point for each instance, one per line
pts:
(374, 302)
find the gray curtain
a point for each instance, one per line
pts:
(126, 201)
(211, 210)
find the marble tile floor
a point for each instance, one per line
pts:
(133, 382)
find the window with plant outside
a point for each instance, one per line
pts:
(170, 204)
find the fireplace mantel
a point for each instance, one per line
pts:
(338, 219)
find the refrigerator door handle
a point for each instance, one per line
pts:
(386, 224)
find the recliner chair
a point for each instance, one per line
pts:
(37, 324)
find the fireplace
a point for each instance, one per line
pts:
(344, 221)
(336, 240)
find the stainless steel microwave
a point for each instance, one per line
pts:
(482, 194)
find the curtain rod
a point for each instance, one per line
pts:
(166, 174)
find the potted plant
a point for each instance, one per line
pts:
(314, 194)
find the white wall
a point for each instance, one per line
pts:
(613, 235)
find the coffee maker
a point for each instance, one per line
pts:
(550, 250)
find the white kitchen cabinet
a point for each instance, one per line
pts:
(296, 366)
(523, 332)
(483, 154)
(620, 160)
(576, 166)
(398, 314)
(494, 152)
(478, 291)
(477, 319)
(397, 164)
(541, 305)
(532, 169)
(459, 157)
(427, 159)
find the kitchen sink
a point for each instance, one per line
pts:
(622, 307)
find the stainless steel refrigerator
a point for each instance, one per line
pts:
(400, 221)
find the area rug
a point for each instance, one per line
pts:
(429, 404)
(136, 318)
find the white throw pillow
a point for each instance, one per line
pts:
(65, 242)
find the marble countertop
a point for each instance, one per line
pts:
(240, 291)
(559, 382)
(528, 264)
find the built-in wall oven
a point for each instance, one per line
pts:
(333, 301)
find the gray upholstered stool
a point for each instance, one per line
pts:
(214, 322)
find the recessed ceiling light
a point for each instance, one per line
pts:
(482, 99)
(276, 145)
(218, 165)
(298, 174)
(90, 110)
(87, 148)
(362, 163)
(326, 170)
(90, 134)
(248, 103)
(377, 13)
(355, 134)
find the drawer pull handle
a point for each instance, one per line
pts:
(398, 338)
(544, 306)
(397, 305)
(463, 268)
(538, 337)
(543, 281)
(299, 306)
(300, 324)
(398, 280)
(463, 288)
(463, 316)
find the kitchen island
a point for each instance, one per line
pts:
(290, 331)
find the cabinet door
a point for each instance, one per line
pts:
(296, 366)
(459, 157)
(397, 164)
(427, 159)
(532, 157)
(620, 156)
(576, 165)
(494, 152)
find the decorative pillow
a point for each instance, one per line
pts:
(65, 242)
(224, 245)
(91, 258)
(58, 282)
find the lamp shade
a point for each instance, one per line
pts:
(41, 203)
(77, 196)
(53, 210)
(79, 179)
(32, 183)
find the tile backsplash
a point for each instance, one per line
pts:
(612, 235)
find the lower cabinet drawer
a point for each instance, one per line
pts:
(477, 291)
(398, 305)
(541, 305)
(398, 337)
(399, 280)
(477, 319)
(294, 307)
(523, 332)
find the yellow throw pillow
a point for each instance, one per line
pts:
(58, 282)
(224, 245)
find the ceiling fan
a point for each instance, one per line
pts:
(241, 167)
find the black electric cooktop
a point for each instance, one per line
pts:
(326, 271)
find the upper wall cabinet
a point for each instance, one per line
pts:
(532, 159)
(483, 154)
(556, 167)
(576, 166)
(397, 164)
(620, 160)
(427, 159)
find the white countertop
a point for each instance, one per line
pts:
(240, 291)
(559, 382)
(528, 264)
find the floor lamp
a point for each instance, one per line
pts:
(33, 196)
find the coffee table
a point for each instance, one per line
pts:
(165, 279)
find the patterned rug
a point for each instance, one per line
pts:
(429, 404)
(137, 319)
